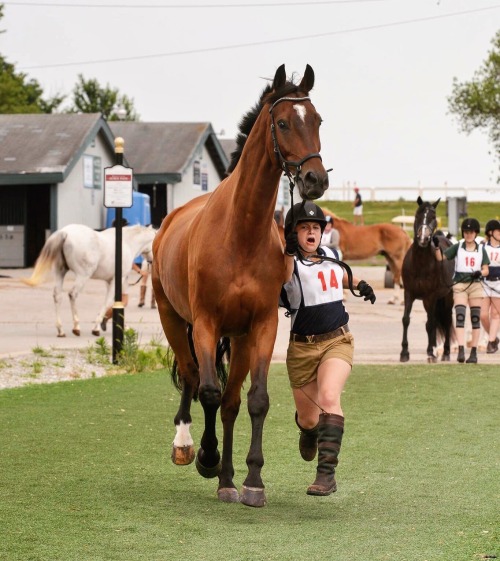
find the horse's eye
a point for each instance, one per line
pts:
(282, 124)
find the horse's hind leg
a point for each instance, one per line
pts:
(57, 295)
(396, 273)
(405, 355)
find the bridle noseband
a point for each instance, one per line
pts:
(285, 164)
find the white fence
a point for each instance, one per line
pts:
(473, 194)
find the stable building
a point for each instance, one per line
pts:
(52, 168)
(172, 162)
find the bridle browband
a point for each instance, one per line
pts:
(285, 164)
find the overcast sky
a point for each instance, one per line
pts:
(384, 70)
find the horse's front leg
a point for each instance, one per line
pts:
(230, 407)
(405, 355)
(73, 295)
(185, 375)
(252, 493)
(108, 302)
(205, 342)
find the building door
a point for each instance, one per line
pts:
(157, 200)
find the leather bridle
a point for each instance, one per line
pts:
(283, 162)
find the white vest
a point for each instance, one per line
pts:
(468, 261)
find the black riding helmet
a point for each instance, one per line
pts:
(308, 212)
(491, 225)
(471, 224)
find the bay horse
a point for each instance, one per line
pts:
(429, 280)
(363, 242)
(89, 254)
(218, 266)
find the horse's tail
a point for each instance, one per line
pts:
(444, 320)
(222, 358)
(50, 254)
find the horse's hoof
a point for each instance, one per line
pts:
(404, 358)
(228, 495)
(207, 472)
(182, 455)
(61, 334)
(96, 332)
(445, 358)
(76, 332)
(431, 360)
(253, 496)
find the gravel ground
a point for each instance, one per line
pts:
(49, 366)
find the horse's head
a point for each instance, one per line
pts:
(295, 133)
(140, 238)
(425, 222)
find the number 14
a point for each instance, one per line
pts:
(333, 280)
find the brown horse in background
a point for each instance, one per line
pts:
(363, 242)
(218, 266)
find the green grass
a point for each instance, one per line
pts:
(85, 474)
(384, 211)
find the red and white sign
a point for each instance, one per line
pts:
(118, 187)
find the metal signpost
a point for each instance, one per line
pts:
(118, 188)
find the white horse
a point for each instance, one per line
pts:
(90, 255)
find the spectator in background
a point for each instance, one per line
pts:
(331, 236)
(358, 208)
(490, 306)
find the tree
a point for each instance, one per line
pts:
(18, 94)
(90, 97)
(477, 103)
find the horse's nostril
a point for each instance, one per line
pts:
(311, 178)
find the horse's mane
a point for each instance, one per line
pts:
(248, 120)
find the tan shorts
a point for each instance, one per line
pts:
(473, 289)
(303, 359)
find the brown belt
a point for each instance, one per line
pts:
(319, 338)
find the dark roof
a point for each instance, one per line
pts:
(228, 145)
(162, 151)
(41, 148)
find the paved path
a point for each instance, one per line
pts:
(27, 320)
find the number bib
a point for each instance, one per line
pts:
(321, 283)
(493, 254)
(468, 261)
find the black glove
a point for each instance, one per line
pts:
(367, 291)
(435, 241)
(291, 243)
(476, 275)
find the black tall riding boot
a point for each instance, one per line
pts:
(330, 431)
(308, 441)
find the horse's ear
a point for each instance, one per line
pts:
(419, 201)
(307, 83)
(279, 78)
(436, 203)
